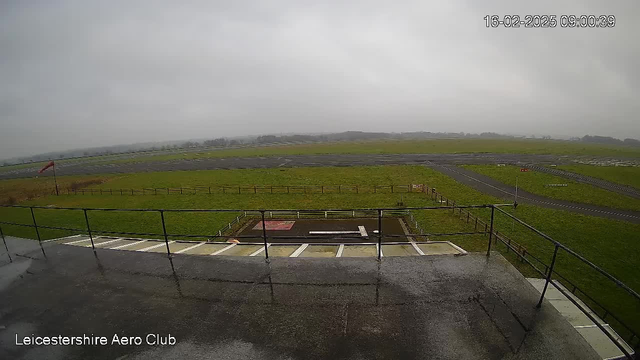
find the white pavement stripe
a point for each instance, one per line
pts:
(77, 241)
(155, 246)
(415, 246)
(462, 251)
(340, 250)
(299, 250)
(109, 242)
(223, 249)
(363, 231)
(189, 248)
(65, 237)
(127, 245)
(259, 251)
(333, 232)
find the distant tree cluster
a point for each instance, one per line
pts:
(610, 140)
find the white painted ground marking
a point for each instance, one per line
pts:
(333, 232)
(189, 248)
(127, 245)
(77, 241)
(462, 251)
(259, 250)
(340, 250)
(109, 242)
(299, 250)
(415, 246)
(155, 246)
(66, 237)
(588, 326)
(224, 249)
(363, 231)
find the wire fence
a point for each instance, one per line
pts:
(253, 189)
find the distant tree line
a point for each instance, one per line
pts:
(609, 140)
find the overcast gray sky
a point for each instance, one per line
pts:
(91, 73)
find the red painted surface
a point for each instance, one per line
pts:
(275, 225)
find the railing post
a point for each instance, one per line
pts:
(35, 225)
(86, 218)
(5, 244)
(379, 234)
(164, 231)
(264, 237)
(546, 284)
(490, 229)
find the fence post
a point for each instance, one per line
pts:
(468, 216)
(164, 231)
(86, 218)
(322, 187)
(35, 225)
(379, 234)
(5, 244)
(475, 228)
(546, 284)
(155, 191)
(209, 189)
(131, 191)
(264, 237)
(493, 208)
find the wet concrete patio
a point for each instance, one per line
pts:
(414, 307)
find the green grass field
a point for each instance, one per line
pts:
(534, 182)
(521, 146)
(611, 244)
(625, 175)
(501, 146)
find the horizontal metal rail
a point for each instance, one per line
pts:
(578, 256)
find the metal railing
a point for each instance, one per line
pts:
(548, 273)
(545, 270)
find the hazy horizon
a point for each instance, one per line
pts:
(89, 74)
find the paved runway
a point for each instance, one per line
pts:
(256, 162)
(495, 188)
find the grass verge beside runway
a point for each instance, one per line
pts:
(625, 175)
(535, 182)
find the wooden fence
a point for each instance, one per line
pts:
(255, 189)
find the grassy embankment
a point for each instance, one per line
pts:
(625, 175)
(534, 182)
